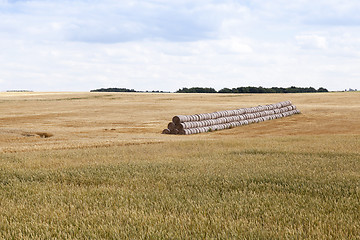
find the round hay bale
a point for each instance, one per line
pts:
(182, 132)
(174, 131)
(187, 131)
(166, 131)
(179, 119)
(185, 125)
(180, 126)
(171, 125)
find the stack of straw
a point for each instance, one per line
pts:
(208, 122)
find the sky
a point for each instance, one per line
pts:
(79, 45)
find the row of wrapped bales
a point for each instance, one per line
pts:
(222, 120)
(227, 113)
(207, 122)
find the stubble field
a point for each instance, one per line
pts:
(105, 171)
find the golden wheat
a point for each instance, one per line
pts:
(108, 172)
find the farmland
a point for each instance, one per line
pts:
(94, 165)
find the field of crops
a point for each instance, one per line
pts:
(95, 165)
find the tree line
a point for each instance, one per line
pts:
(113, 90)
(250, 89)
(124, 90)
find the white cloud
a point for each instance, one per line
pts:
(165, 45)
(311, 41)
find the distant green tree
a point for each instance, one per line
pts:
(225, 90)
(321, 89)
(292, 89)
(196, 90)
(113, 90)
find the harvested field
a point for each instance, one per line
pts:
(104, 119)
(95, 165)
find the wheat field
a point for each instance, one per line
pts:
(95, 166)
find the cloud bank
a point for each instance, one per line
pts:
(80, 45)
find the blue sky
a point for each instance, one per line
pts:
(80, 45)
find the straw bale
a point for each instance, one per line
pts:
(171, 125)
(166, 131)
(179, 118)
(174, 131)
